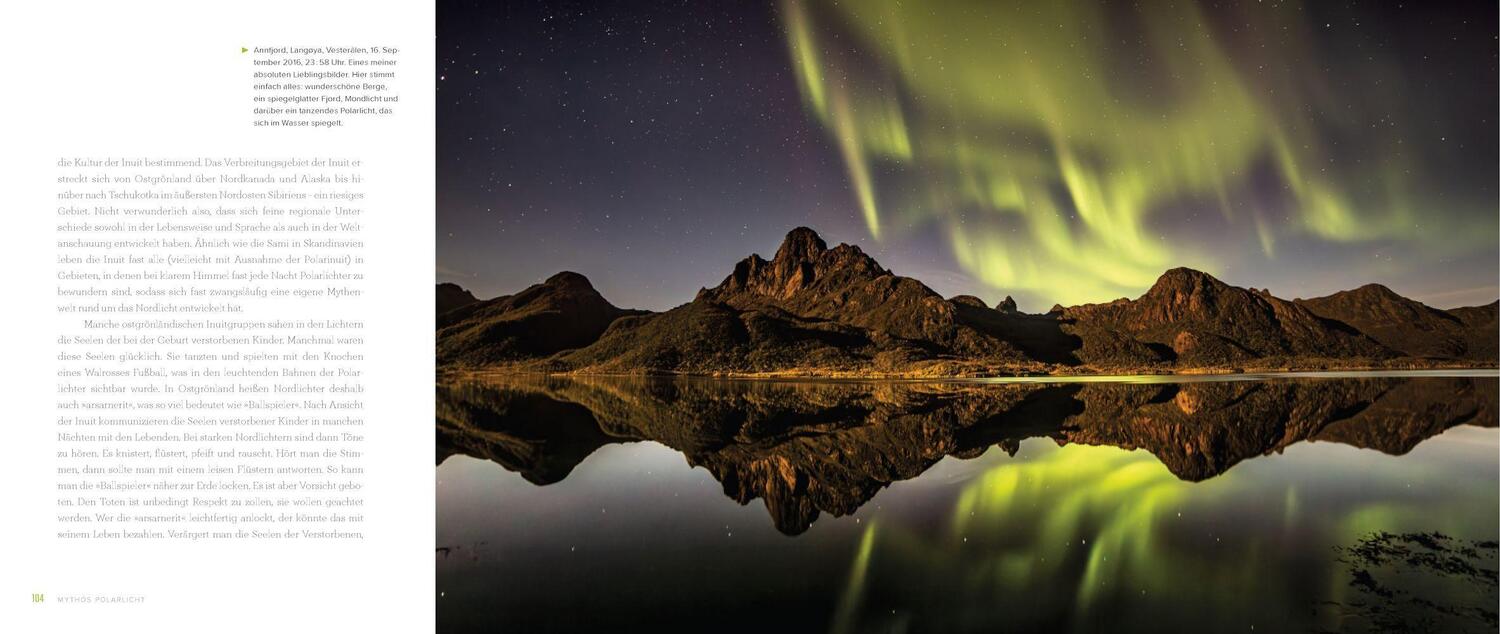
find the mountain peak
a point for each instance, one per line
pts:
(1377, 291)
(968, 300)
(802, 262)
(1185, 274)
(569, 279)
(1183, 281)
(1406, 325)
(800, 244)
(1368, 299)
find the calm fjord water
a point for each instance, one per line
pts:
(1332, 503)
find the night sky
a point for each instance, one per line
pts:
(1063, 151)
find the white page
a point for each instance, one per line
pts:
(169, 80)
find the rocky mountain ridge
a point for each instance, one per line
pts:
(835, 311)
(1409, 326)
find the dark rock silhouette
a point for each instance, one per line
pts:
(1477, 315)
(561, 313)
(1483, 331)
(968, 300)
(451, 296)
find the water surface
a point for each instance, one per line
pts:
(1268, 503)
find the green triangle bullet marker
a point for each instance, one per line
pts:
(244, 50)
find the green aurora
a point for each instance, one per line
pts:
(1100, 525)
(1066, 148)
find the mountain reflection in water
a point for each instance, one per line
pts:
(1077, 532)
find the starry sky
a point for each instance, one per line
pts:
(1060, 152)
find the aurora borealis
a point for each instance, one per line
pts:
(1062, 152)
(1044, 137)
(1107, 531)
